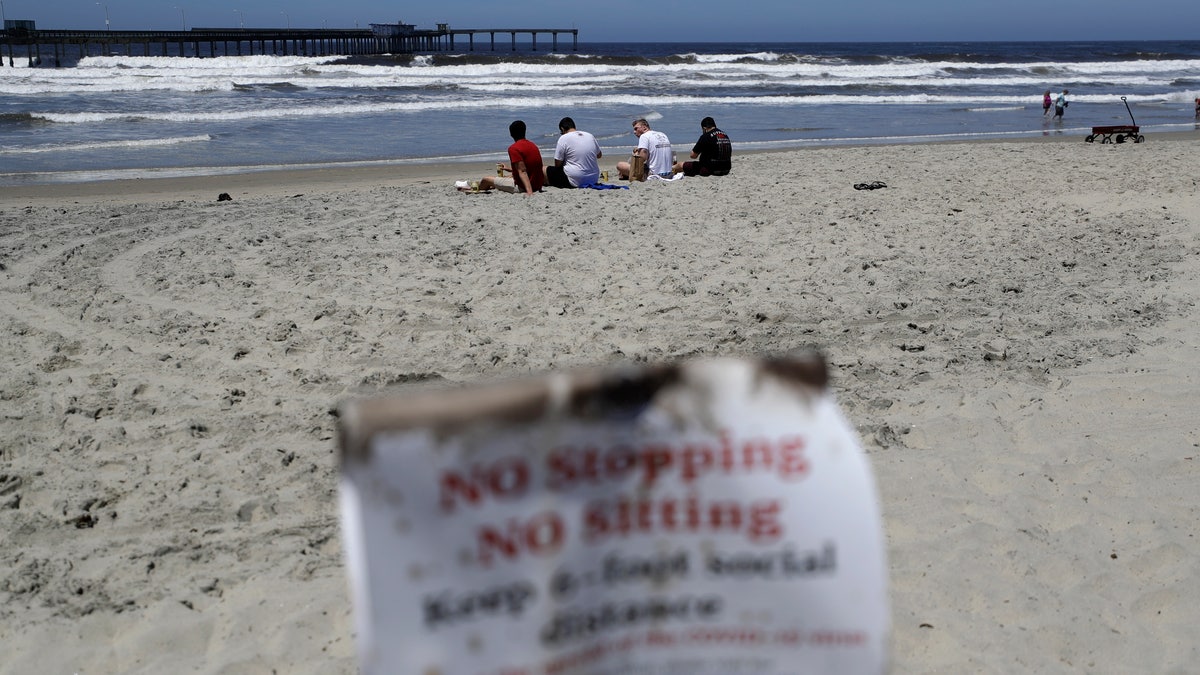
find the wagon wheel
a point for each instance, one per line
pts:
(1090, 138)
(1140, 139)
(1120, 138)
(1106, 139)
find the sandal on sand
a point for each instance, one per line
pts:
(870, 186)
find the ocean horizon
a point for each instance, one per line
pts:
(121, 116)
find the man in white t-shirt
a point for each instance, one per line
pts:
(576, 158)
(654, 147)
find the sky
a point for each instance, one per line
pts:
(660, 20)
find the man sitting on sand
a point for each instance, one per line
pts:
(654, 147)
(526, 166)
(711, 153)
(576, 158)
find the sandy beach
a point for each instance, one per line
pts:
(1011, 329)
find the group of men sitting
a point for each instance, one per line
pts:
(577, 158)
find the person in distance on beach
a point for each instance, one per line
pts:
(711, 154)
(1046, 102)
(1060, 105)
(576, 158)
(654, 147)
(525, 166)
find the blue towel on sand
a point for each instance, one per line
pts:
(603, 186)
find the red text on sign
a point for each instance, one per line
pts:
(624, 516)
(691, 461)
(506, 478)
(542, 535)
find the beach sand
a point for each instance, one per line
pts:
(1011, 328)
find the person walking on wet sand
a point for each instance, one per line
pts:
(1060, 105)
(1046, 103)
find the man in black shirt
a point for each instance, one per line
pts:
(711, 153)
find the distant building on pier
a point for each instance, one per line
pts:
(18, 26)
(387, 30)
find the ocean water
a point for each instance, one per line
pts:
(132, 116)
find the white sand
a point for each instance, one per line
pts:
(1012, 329)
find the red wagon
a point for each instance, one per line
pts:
(1118, 133)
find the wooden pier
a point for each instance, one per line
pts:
(513, 33)
(52, 47)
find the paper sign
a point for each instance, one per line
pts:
(712, 518)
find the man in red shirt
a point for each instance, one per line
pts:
(525, 165)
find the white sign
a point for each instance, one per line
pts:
(713, 518)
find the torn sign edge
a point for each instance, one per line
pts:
(586, 394)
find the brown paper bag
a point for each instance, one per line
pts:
(637, 167)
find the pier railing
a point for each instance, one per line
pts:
(52, 47)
